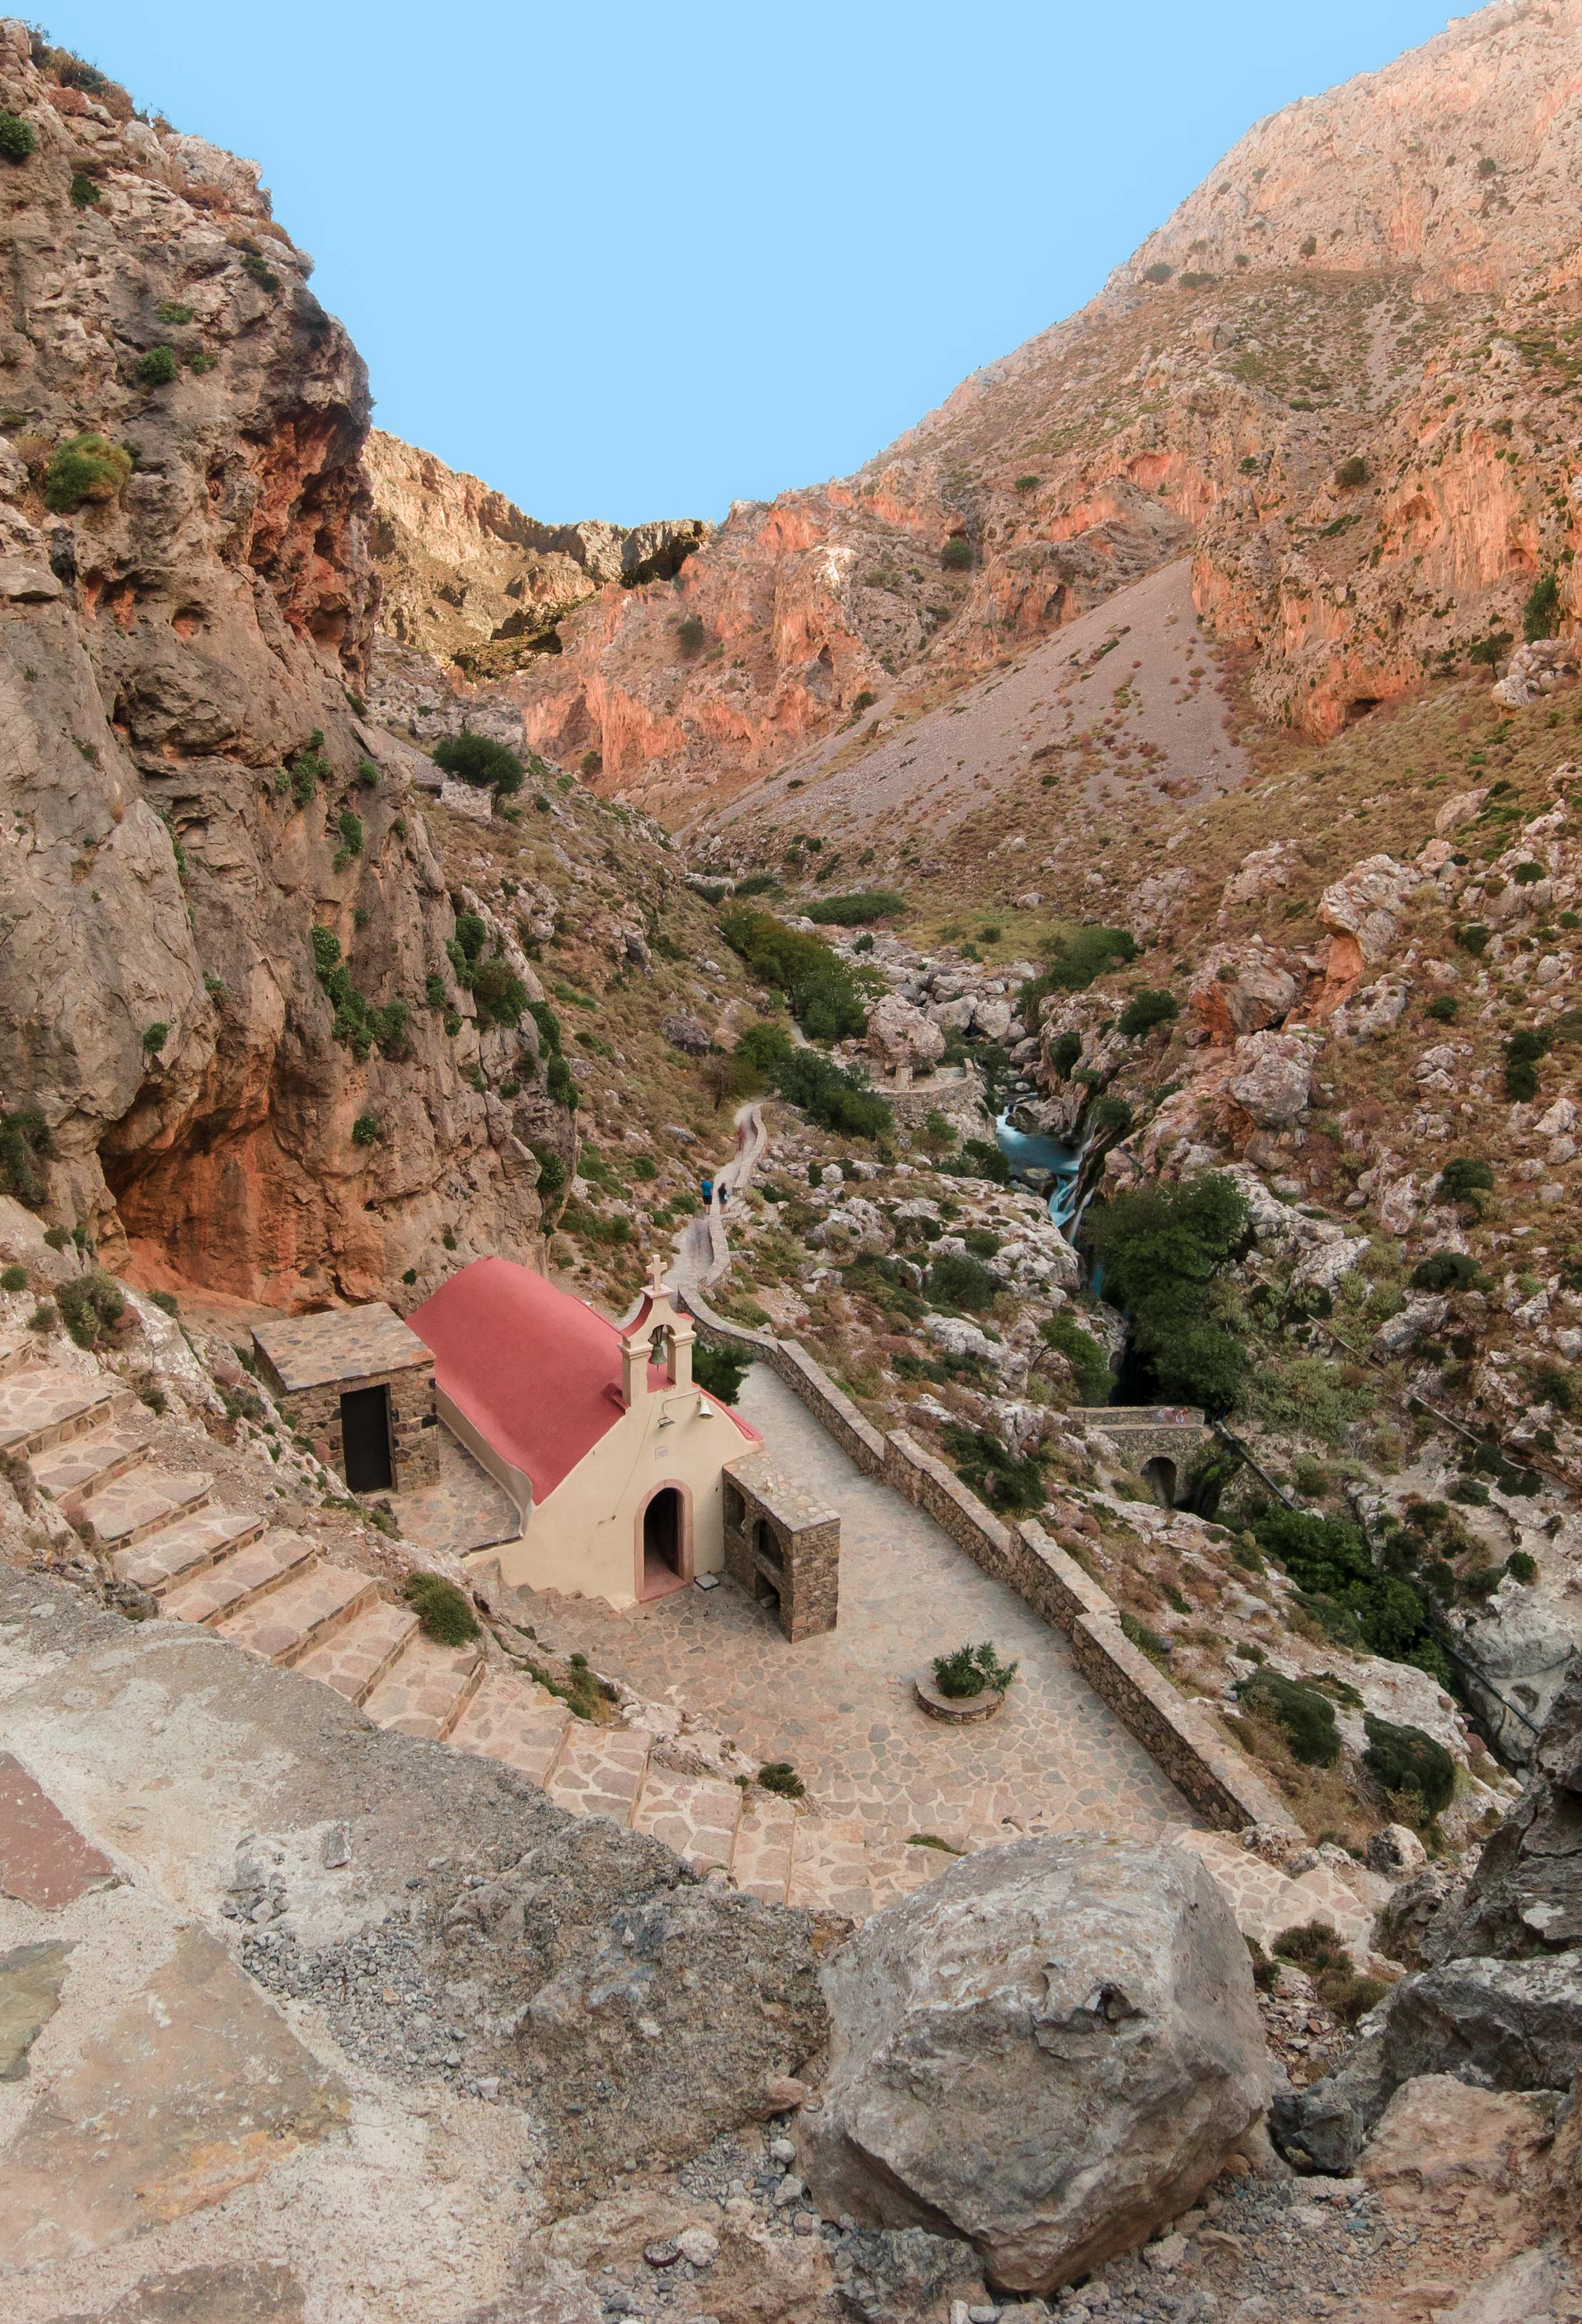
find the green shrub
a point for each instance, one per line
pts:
(720, 1370)
(1540, 614)
(1443, 1009)
(44, 1317)
(17, 138)
(980, 1157)
(1028, 483)
(158, 367)
(1089, 1365)
(24, 1143)
(779, 1777)
(1463, 1180)
(500, 994)
(827, 1093)
(83, 193)
(14, 1278)
(1315, 1947)
(815, 979)
(1519, 1565)
(1351, 473)
(856, 910)
(154, 1037)
(829, 1008)
(548, 1025)
(958, 1280)
(1063, 1053)
(474, 758)
(691, 636)
(1013, 1484)
(442, 1609)
(1111, 1115)
(1158, 272)
(350, 827)
(365, 1130)
(1444, 1270)
(552, 1171)
(1160, 1248)
(1305, 1717)
(1146, 1009)
(254, 264)
(91, 1305)
(86, 467)
(327, 950)
(1406, 1759)
(559, 1082)
(1075, 957)
(1474, 937)
(1523, 1049)
(956, 556)
(758, 883)
(972, 1670)
(1331, 1564)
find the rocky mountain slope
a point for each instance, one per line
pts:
(238, 1033)
(468, 579)
(1342, 378)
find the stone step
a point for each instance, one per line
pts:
(40, 1407)
(514, 1720)
(761, 1858)
(355, 1659)
(87, 1463)
(427, 1689)
(1266, 1900)
(135, 1506)
(283, 1625)
(250, 1573)
(897, 1867)
(695, 1815)
(599, 1771)
(829, 1867)
(178, 1552)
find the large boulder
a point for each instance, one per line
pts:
(1050, 2051)
(1241, 989)
(1274, 1074)
(1502, 2025)
(900, 1035)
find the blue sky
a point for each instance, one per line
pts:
(631, 261)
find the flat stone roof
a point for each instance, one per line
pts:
(348, 1343)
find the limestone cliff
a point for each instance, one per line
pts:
(470, 580)
(198, 816)
(1340, 375)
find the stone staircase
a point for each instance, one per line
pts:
(274, 1593)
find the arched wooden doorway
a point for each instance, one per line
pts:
(665, 1547)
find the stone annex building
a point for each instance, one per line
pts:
(616, 1459)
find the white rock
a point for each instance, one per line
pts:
(1080, 2012)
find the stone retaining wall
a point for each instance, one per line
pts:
(1219, 1780)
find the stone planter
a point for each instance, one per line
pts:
(956, 1706)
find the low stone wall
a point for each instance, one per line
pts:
(1219, 1780)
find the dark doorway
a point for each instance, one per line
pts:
(663, 1543)
(365, 1438)
(1159, 1476)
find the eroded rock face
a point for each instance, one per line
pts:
(1526, 1892)
(1272, 1077)
(187, 788)
(1049, 2051)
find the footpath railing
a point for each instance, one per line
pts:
(1214, 1776)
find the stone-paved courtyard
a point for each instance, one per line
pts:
(840, 1706)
